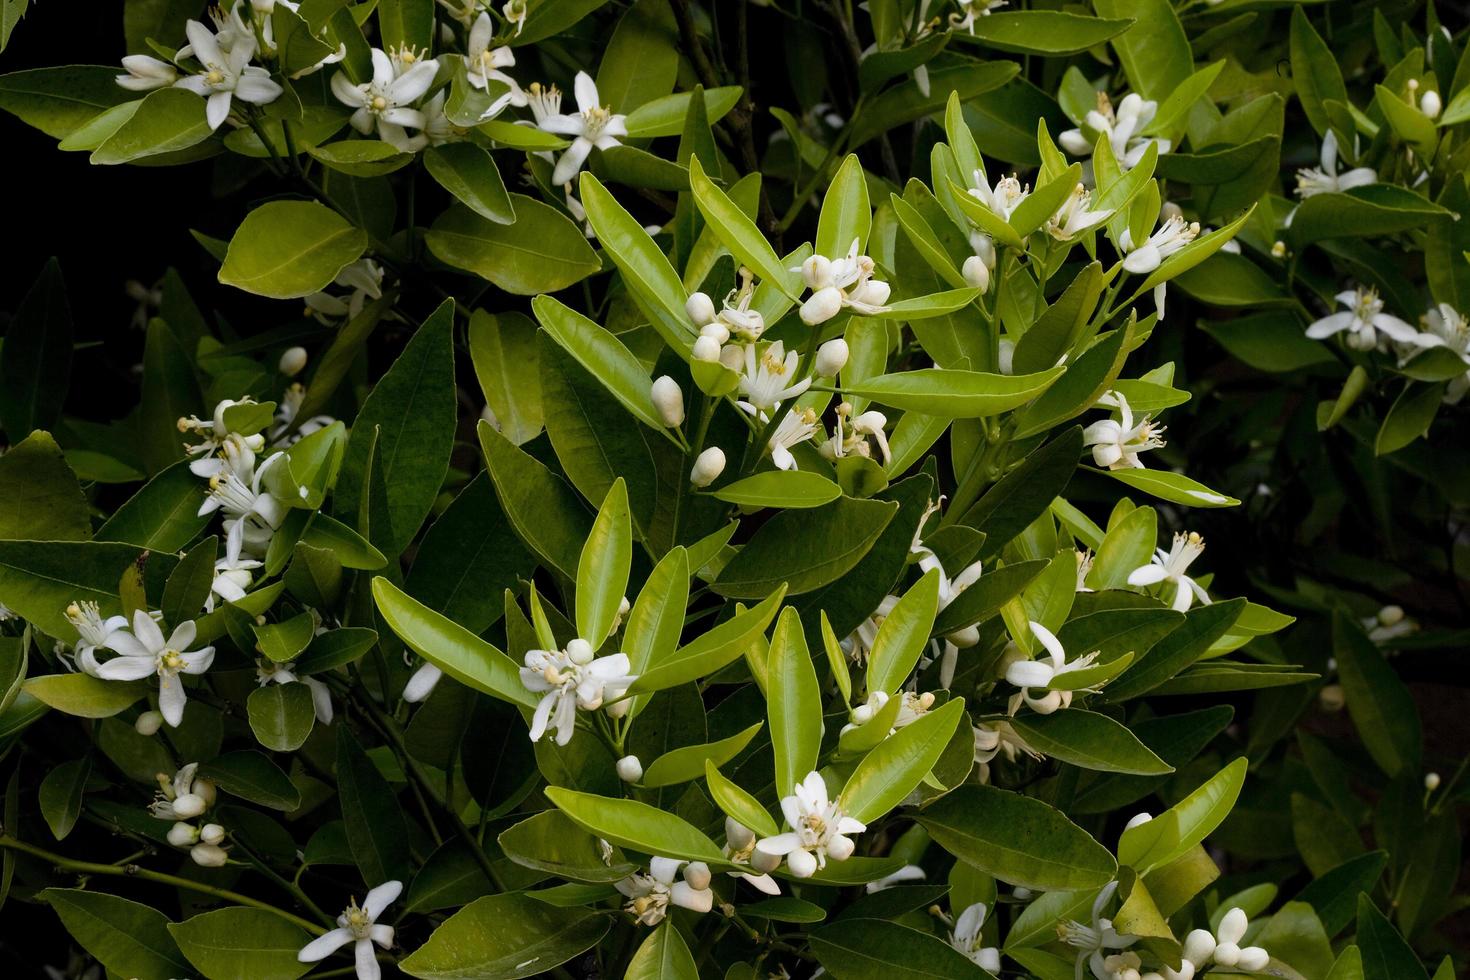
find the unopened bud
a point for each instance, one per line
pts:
(668, 400)
(182, 834)
(816, 272)
(1253, 959)
(831, 358)
(1431, 781)
(821, 306)
(1429, 104)
(976, 273)
(189, 805)
(715, 329)
(763, 861)
(208, 855)
(630, 770)
(1391, 615)
(580, 652)
(148, 723)
(840, 848)
(697, 874)
(707, 349)
(1278, 249)
(1331, 697)
(701, 309)
(872, 292)
(211, 833)
(292, 361)
(1138, 820)
(708, 467)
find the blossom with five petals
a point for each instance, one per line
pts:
(1032, 675)
(819, 829)
(144, 651)
(359, 926)
(226, 73)
(966, 937)
(386, 100)
(1117, 443)
(92, 633)
(570, 679)
(1325, 179)
(1364, 321)
(1172, 566)
(593, 124)
(1123, 129)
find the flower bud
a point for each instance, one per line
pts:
(983, 247)
(1227, 954)
(422, 683)
(182, 834)
(1138, 820)
(1168, 211)
(189, 805)
(840, 848)
(1232, 928)
(292, 361)
(831, 358)
(816, 272)
(148, 723)
(1431, 781)
(204, 789)
(697, 874)
(1278, 249)
(1006, 355)
(580, 652)
(1022, 894)
(708, 467)
(668, 400)
(208, 855)
(821, 306)
(716, 329)
(1331, 697)
(1429, 104)
(732, 356)
(1391, 615)
(211, 833)
(1253, 959)
(737, 835)
(630, 770)
(803, 864)
(617, 709)
(976, 273)
(764, 861)
(1199, 946)
(967, 637)
(707, 349)
(873, 292)
(701, 308)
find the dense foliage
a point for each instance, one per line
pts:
(671, 490)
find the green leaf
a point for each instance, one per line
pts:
(376, 830)
(604, 357)
(502, 937)
(789, 489)
(35, 360)
(461, 654)
(282, 642)
(1043, 32)
(468, 173)
(129, 939)
(906, 102)
(163, 515)
(1409, 417)
(168, 120)
(1314, 71)
(846, 215)
(550, 842)
(239, 943)
(904, 635)
(1169, 835)
(665, 116)
(412, 408)
(39, 579)
(1363, 212)
(805, 549)
(689, 762)
(636, 826)
(744, 808)
(738, 232)
(1173, 487)
(406, 23)
(41, 493)
(542, 251)
(663, 956)
(1380, 704)
(281, 715)
(955, 394)
(1025, 492)
(59, 100)
(860, 948)
(251, 776)
(60, 795)
(792, 697)
(83, 695)
(290, 249)
(1386, 956)
(1155, 50)
(896, 766)
(602, 572)
(1088, 377)
(546, 513)
(504, 352)
(1334, 894)
(1091, 741)
(640, 62)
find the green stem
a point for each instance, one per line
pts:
(290, 886)
(158, 877)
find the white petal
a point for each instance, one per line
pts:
(1147, 575)
(586, 92)
(197, 661)
(664, 869)
(1052, 644)
(171, 698)
(687, 896)
(1029, 673)
(571, 161)
(217, 109)
(780, 845)
(367, 961)
(147, 631)
(325, 945)
(126, 668)
(381, 897)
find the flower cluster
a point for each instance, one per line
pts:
(184, 800)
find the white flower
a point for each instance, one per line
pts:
(1122, 128)
(226, 73)
(740, 850)
(1075, 215)
(736, 317)
(363, 279)
(593, 125)
(92, 633)
(286, 412)
(844, 282)
(515, 12)
(570, 679)
(971, 11)
(1448, 328)
(422, 683)
(386, 101)
(851, 435)
(234, 450)
(996, 738)
(768, 376)
(966, 938)
(1091, 940)
(234, 572)
(819, 829)
(649, 895)
(909, 872)
(1039, 674)
(239, 494)
(144, 651)
(183, 797)
(1171, 566)
(1326, 179)
(912, 707)
(859, 643)
(358, 926)
(1363, 320)
(1389, 624)
(1003, 198)
(146, 73)
(483, 64)
(270, 672)
(1173, 234)
(1117, 443)
(1229, 953)
(798, 426)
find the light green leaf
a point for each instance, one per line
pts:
(290, 249)
(955, 394)
(895, 766)
(903, 636)
(541, 252)
(239, 943)
(636, 826)
(504, 937)
(790, 489)
(792, 697)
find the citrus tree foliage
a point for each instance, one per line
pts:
(699, 501)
